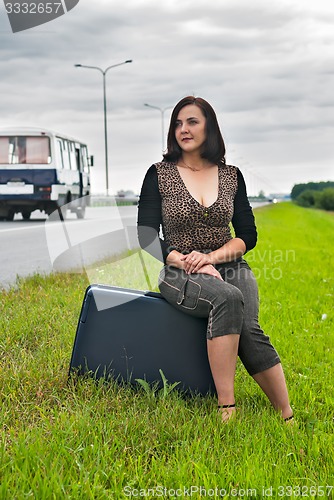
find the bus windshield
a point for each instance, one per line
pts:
(25, 149)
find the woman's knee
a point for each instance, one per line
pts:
(232, 298)
(227, 313)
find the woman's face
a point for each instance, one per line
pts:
(190, 127)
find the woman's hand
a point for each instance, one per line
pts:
(210, 269)
(202, 263)
(194, 261)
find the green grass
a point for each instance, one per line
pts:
(102, 441)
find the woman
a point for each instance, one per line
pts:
(193, 195)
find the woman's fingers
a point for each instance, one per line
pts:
(212, 271)
(195, 261)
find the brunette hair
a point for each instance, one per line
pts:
(213, 147)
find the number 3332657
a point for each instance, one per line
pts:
(33, 8)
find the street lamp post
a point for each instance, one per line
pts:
(162, 111)
(104, 72)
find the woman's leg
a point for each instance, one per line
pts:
(222, 354)
(206, 296)
(255, 349)
(272, 382)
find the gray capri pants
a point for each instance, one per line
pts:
(231, 306)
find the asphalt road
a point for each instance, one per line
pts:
(42, 245)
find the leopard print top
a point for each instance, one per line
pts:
(188, 225)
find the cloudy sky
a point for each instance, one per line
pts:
(266, 67)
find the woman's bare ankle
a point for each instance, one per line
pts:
(286, 413)
(228, 411)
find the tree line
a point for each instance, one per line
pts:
(314, 194)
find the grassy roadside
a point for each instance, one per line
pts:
(98, 441)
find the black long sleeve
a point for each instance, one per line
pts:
(149, 218)
(243, 220)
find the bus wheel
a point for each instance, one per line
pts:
(26, 214)
(80, 212)
(10, 215)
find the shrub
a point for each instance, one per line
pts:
(306, 198)
(326, 199)
(314, 186)
(319, 199)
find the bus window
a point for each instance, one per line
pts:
(84, 158)
(77, 156)
(38, 150)
(11, 149)
(72, 156)
(4, 149)
(59, 153)
(66, 157)
(21, 149)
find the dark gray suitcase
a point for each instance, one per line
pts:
(129, 334)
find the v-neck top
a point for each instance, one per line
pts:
(187, 224)
(185, 185)
(165, 202)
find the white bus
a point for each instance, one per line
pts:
(42, 170)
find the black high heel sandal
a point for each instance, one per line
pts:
(229, 406)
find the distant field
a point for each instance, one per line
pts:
(102, 441)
